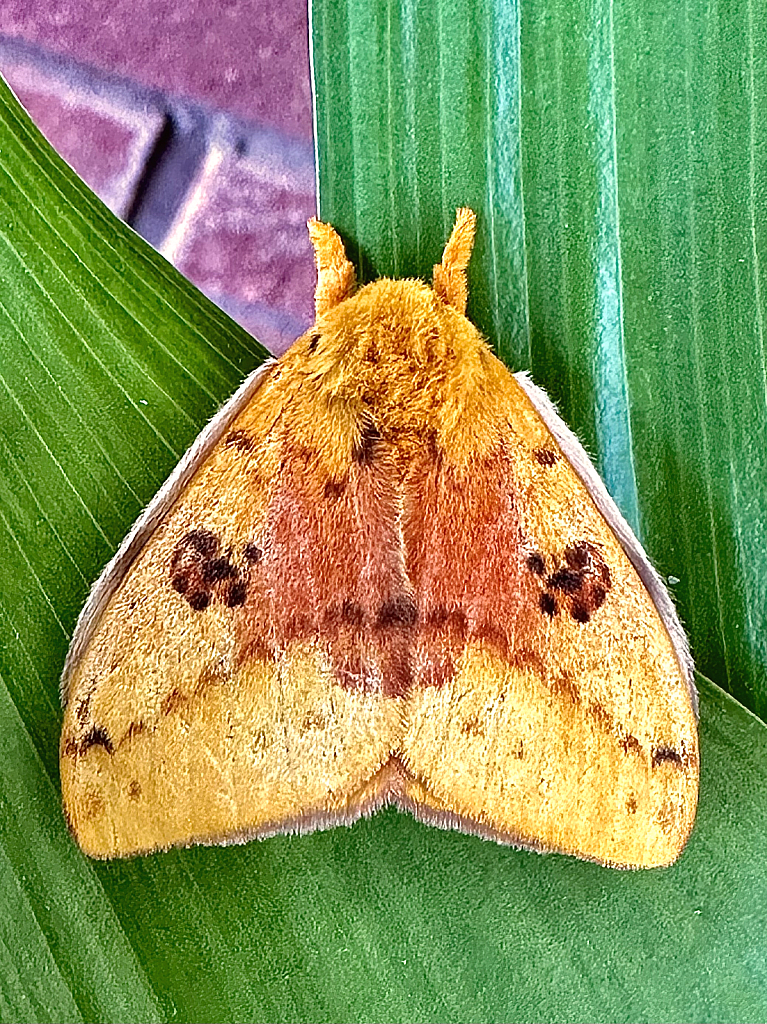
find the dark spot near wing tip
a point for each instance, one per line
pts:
(535, 563)
(218, 569)
(597, 596)
(180, 583)
(365, 449)
(314, 341)
(545, 456)
(83, 709)
(134, 790)
(97, 736)
(631, 805)
(577, 556)
(237, 593)
(580, 612)
(566, 580)
(400, 611)
(352, 613)
(239, 439)
(252, 553)
(334, 489)
(199, 600)
(662, 754)
(201, 540)
(548, 603)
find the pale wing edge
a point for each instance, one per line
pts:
(115, 571)
(582, 465)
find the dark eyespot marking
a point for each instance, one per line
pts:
(545, 456)
(334, 489)
(237, 593)
(252, 553)
(352, 613)
(597, 596)
(577, 556)
(180, 583)
(204, 541)
(199, 600)
(580, 612)
(365, 449)
(97, 736)
(239, 439)
(566, 580)
(134, 790)
(548, 603)
(535, 563)
(218, 569)
(401, 611)
(83, 708)
(314, 341)
(663, 754)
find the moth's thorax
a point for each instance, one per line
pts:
(397, 355)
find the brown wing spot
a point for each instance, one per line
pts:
(577, 555)
(548, 603)
(97, 736)
(134, 790)
(536, 563)
(335, 488)
(631, 804)
(545, 456)
(583, 582)
(236, 594)
(401, 611)
(314, 341)
(203, 541)
(662, 755)
(566, 580)
(239, 439)
(218, 569)
(83, 709)
(199, 600)
(199, 572)
(352, 613)
(365, 449)
(252, 553)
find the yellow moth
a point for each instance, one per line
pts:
(386, 572)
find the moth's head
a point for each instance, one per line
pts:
(408, 312)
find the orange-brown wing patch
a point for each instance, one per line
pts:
(561, 718)
(207, 704)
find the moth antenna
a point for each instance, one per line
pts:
(450, 274)
(335, 274)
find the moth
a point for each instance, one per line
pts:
(385, 573)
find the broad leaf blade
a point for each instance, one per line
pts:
(616, 164)
(387, 921)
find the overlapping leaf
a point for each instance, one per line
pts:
(110, 363)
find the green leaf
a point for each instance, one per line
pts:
(109, 364)
(615, 155)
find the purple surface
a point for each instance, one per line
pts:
(242, 233)
(246, 57)
(106, 140)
